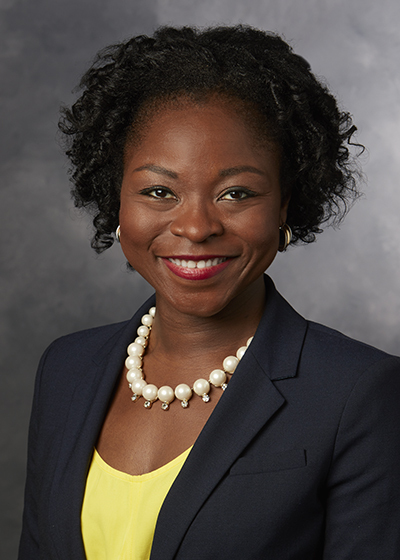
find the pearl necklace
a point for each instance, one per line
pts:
(151, 393)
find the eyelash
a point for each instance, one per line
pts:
(241, 190)
(147, 192)
(246, 193)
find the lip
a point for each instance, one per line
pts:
(194, 273)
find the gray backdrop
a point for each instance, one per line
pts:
(52, 283)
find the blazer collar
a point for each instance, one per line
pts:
(250, 400)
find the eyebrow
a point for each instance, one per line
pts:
(229, 172)
(157, 169)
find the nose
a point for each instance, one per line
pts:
(197, 222)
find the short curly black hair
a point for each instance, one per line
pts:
(253, 66)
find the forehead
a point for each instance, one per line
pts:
(200, 140)
(226, 108)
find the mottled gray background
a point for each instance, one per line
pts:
(52, 283)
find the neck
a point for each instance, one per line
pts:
(187, 335)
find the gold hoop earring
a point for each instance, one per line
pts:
(118, 234)
(285, 237)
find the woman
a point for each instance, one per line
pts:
(207, 152)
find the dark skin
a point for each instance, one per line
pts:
(201, 183)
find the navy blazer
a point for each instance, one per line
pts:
(300, 460)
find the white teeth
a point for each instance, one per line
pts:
(198, 264)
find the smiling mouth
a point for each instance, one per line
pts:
(200, 268)
(198, 264)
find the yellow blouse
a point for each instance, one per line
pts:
(119, 511)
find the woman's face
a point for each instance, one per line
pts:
(201, 207)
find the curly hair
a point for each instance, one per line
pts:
(258, 68)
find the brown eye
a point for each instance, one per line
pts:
(159, 192)
(237, 194)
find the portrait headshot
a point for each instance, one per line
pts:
(202, 268)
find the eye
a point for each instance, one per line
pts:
(160, 193)
(237, 193)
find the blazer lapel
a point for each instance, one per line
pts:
(250, 400)
(87, 411)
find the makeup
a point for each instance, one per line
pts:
(196, 268)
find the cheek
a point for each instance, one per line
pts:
(141, 230)
(260, 230)
(136, 224)
(266, 241)
(134, 232)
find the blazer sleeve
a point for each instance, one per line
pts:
(29, 543)
(363, 500)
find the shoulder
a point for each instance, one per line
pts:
(88, 340)
(338, 365)
(73, 357)
(81, 346)
(288, 345)
(326, 344)
(312, 347)
(96, 343)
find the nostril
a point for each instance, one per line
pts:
(196, 226)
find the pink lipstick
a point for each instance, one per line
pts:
(196, 268)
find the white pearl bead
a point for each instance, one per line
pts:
(152, 311)
(217, 377)
(133, 361)
(147, 320)
(134, 374)
(166, 394)
(230, 364)
(150, 392)
(138, 385)
(183, 392)
(240, 352)
(135, 349)
(249, 341)
(141, 340)
(201, 386)
(143, 330)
